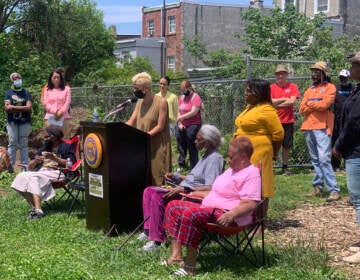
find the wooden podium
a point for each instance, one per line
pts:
(117, 169)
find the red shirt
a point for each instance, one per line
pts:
(185, 105)
(286, 114)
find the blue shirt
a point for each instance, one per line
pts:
(205, 171)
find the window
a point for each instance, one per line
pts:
(321, 6)
(171, 21)
(286, 2)
(151, 28)
(171, 63)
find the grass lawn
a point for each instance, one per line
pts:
(60, 247)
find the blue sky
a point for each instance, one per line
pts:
(126, 14)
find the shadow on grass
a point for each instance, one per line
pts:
(63, 206)
(282, 223)
(291, 262)
(213, 258)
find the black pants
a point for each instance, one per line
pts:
(186, 142)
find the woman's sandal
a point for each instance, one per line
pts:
(186, 270)
(172, 261)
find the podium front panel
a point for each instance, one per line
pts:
(114, 195)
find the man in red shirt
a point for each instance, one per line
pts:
(283, 96)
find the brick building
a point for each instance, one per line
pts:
(342, 15)
(215, 24)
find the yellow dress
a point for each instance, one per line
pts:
(262, 126)
(160, 144)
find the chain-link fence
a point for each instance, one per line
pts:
(223, 99)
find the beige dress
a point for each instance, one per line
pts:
(160, 144)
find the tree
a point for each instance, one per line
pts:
(72, 32)
(281, 34)
(8, 14)
(224, 63)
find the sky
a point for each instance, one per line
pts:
(126, 14)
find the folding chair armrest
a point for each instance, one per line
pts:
(24, 167)
(190, 196)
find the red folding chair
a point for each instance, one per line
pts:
(72, 184)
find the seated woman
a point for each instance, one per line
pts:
(201, 177)
(233, 197)
(35, 186)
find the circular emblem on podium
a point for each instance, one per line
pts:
(93, 150)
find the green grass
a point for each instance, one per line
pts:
(60, 247)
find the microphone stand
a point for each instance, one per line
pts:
(113, 112)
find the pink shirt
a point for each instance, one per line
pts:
(185, 104)
(286, 114)
(230, 188)
(57, 99)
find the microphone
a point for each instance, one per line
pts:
(130, 100)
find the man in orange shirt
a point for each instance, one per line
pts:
(317, 125)
(283, 97)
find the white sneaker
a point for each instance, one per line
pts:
(142, 237)
(354, 249)
(150, 246)
(353, 258)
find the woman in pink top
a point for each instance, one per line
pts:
(188, 124)
(57, 98)
(233, 197)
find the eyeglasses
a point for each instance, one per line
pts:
(163, 84)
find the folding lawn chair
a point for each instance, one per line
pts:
(72, 184)
(239, 240)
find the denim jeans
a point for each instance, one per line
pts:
(186, 141)
(353, 183)
(319, 146)
(18, 135)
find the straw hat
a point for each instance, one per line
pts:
(321, 65)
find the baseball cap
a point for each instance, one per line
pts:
(281, 68)
(344, 73)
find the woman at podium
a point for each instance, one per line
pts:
(151, 115)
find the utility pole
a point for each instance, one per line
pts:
(163, 44)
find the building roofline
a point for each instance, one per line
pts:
(158, 8)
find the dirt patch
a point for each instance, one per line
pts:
(3, 192)
(330, 225)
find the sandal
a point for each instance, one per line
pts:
(172, 261)
(187, 270)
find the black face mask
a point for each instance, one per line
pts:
(139, 94)
(186, 92)
(48, 145)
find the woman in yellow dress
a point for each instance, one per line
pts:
(260, 123)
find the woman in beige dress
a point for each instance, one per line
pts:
(151, 116)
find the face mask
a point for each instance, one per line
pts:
(139, 94)
(186, 92)
(18, 83)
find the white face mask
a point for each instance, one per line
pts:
(18, 83)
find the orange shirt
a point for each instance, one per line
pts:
(315, 107)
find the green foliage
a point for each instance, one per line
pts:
(281, 34)
(52, 33)
(335, 51)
